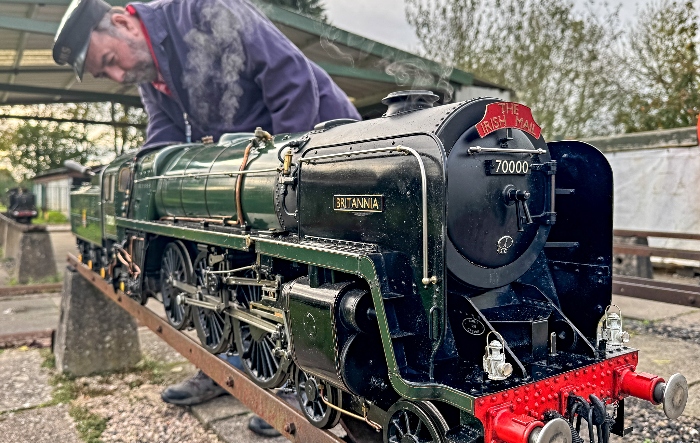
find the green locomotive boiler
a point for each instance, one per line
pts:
(440, 272)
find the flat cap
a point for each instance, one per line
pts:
(73, 36)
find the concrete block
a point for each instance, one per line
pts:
(94, 335)
(35, 260)
(29, 250)
(3, 233)
(632, 265)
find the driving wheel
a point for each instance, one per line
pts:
(256, 346)
(213, 328)
(175, 266)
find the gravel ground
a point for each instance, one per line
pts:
(690, 333)
(20, 387)
(43, 425)
(651, 425)
(649, 422)
(139, 415)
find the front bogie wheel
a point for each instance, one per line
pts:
(414, 422)
(314, 398)
(175, 266)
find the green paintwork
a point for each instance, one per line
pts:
(357, 264)
(143, 201)
(200, 194)
(85, 217)
(28, 25)
(116, 206)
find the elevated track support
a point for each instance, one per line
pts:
(277, 412)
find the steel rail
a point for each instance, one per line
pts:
(12, 291)
(633, 233)
(278, 413)
(646, 251)
(648, 289)
(41, 338)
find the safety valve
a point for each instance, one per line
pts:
(495, 364)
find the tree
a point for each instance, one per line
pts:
(7, 182)
(559, 61)
(663, 68)
(311, 8)
(39, 146)
(123, 138)
(30, 146)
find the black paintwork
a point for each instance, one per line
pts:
(553, 276)
(21, 205)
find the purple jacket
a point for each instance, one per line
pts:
(231, 70)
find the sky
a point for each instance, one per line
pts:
(385, 20)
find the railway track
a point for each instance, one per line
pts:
(277, 412)
(39, 339)
(12, 291)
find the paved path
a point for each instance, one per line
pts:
(29, 313)
(63, 242)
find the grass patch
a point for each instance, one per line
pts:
(67, 388)
(49, 359)
(89, 426)
(151, 371)
(2, 350)
(64, 390)
(55, 278)
(50, 218)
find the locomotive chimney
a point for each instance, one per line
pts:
(407, 101)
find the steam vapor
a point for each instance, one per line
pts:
(215, 62)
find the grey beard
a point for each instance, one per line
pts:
(143, 72)
(145, 69)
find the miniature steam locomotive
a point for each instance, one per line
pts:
(441, 273)
(21, 205)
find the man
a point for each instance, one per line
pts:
(221, 62)
(205, 66)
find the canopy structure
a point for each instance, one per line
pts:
(360, 66)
